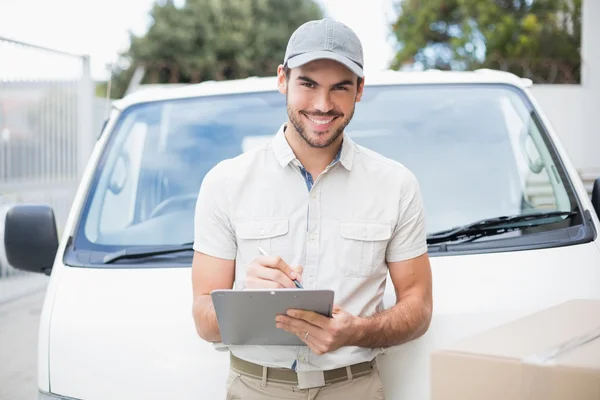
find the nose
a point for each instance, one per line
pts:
(323, 103)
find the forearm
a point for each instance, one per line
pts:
(405, 321)
(205, 319)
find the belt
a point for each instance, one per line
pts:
(284, 375)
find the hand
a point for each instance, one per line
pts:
(271, 272)
(324, 334)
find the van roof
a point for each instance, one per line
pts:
(260, 84)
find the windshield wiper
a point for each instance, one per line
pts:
(486, 227)
(140, 252)
(495, 226)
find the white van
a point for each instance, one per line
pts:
(511, 227)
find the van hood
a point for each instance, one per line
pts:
(129, 333)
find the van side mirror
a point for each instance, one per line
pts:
(596, 196)
(30, 237)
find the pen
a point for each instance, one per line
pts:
(264, 253)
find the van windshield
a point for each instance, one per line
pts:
(478, 151)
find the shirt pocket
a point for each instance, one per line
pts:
(269, 233)
(363, 247)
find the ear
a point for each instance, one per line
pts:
(360, 90)
(281, 80)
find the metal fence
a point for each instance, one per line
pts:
(47, 122)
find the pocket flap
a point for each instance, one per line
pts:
(366, 231)
(261, 228)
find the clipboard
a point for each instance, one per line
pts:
(247, 317)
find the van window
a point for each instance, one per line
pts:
(477, 150)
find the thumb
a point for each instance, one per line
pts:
(298, 269)
(283, 267)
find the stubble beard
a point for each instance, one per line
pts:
(298, 126)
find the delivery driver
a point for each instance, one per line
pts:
(346, 215)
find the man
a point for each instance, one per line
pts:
(333, 215)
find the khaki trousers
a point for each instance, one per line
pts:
(244, 387)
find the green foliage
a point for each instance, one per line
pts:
(213, 40)
(100, 89)
(539, 39)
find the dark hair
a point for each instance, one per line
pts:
(286, 71)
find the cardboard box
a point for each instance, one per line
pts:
(551, 355)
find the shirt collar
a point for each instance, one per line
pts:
(285, 154)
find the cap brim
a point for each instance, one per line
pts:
(305, 58)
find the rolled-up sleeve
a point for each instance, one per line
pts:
(409, 238)
(213, 232)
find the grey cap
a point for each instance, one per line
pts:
(325, 38)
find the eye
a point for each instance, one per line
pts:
(308, 85)
(341, 88)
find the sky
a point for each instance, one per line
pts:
(99, 28)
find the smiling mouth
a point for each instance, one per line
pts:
(321, 122)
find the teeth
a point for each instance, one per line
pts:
(320, 122)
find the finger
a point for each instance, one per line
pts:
(277, 263)
(315, 345)
(311, 317)
(299, 269)
(311, 340)
(261, 272)
(274, 275)
(257, 283)
(298, 326)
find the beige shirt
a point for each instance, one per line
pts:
(361, 212)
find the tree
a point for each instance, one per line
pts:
(213, 40)
(539, 39)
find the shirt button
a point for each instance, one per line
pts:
(312, 236)
(314, 195)
(311, 279)
(262, 231)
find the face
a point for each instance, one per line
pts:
(321, 97)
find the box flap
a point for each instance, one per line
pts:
(537, 334)
(585, 356)
(553, 354)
